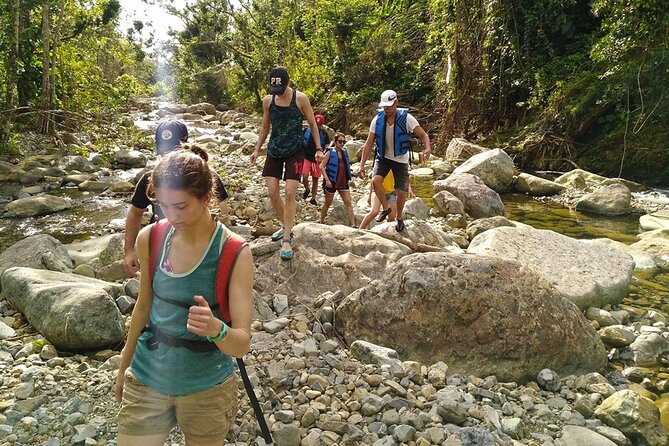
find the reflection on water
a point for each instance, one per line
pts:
(553, 216)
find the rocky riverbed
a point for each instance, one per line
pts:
(536, 348)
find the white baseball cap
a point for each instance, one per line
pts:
(388, 98)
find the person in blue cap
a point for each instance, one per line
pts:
(169, 136)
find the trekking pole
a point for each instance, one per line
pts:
(267, 436)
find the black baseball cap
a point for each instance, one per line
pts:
(169, 135)
(278, 80)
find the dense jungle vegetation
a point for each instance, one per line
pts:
(557, 83)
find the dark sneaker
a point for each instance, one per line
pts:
(400, 225)
(313, 201)
(382, 216)
(305, 194)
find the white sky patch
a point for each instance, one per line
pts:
(154, 17)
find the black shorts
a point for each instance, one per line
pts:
(274, 167)
(400, 172)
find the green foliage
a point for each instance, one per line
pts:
(96, 70)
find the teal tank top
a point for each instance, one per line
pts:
(178, 370)
(286, 137)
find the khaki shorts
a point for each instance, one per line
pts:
(204, 416)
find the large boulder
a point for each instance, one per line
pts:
(9, 172)
(203, 108)
(479, 200)
(588, 274)
(446, 203)
(43, 204)
(643, 261)
(536, 186)
(494, 167)
(327, 258)
(580, 179)
(655, 243)
(128, 159)
(416, 208)
(610, 199)
(419, 232)
(484, 224)
(480, 315)
(75, 163)
(459, 149)
(635, 416)
(72, 312)
(656, 220)
(39, 252)
(83, 252)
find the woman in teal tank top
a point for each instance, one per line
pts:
(176, 367)
(283, 111)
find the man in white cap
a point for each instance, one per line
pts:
(390, 130)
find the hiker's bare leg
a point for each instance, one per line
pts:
(401, 195)
(326, 205)
(380, 192)
(277, 202)
(289, 211)
(346, 198)
(314, 187)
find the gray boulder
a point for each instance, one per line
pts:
(582, 436)
(655, 243)
(416, 208)
(536, 186)
(656, 220)
(480, 315)
(588, 274)
(203, 108)
(39, 252)
(328, 258)
(459, 149)
(37, 205)
(611, 199)
(446, 203)
(128, 159)
(72, 312)
(84, 251)
(9, 172)
(635, 416)
(75, 163)
(648, 349)
(494, 167)
(479, 200)
(420, 232)
(483, 224)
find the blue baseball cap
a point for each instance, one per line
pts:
(170, 135)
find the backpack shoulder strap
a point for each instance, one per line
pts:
(226, 264)
(157, 236)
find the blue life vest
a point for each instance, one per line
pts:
(333, 164)
(307, 137)
(401, 133)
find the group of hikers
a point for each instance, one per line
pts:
(195, 304)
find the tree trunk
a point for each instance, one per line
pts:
(11, 69)
(54, 53)
(45, 122)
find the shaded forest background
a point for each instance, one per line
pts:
(557, 83)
